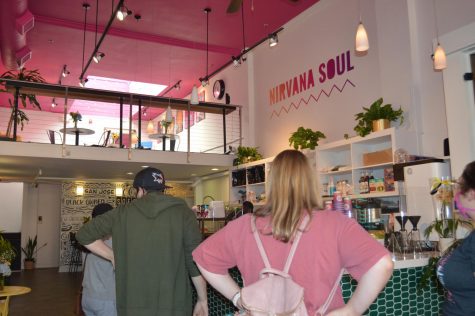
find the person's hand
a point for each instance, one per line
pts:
(201, 308)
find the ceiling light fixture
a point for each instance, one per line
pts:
(440, 59)
(98, 56)
(79, 190)
(65, 72)
(273, 40)
(123, 13)
(361, 41)
(82, 82)
(150, 127)
(236, 61)
(53, 103)
(169, 115)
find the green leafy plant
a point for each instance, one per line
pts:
(75, 116)
(7, 252)
(375, 112)
(445, 228)
(247, 154)
(31, 249)
(305, 138)
(24, 75)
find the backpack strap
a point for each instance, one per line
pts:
(323, 309)
(292, 249)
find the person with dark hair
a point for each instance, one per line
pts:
(247, 207)
(456, 270)
(329, 242)
(98, 284)
(154, 236)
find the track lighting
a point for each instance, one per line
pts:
(65, 72)
(144, 113)
(204, 82)
(53, 103)
(440, 60)
(97, 58)
(236, 61)
(123, 12)
(82, 82)
(177, 85)
(273, 40)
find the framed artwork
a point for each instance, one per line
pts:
(179, 121)
(199, 116)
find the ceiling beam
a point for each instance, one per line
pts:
(70, 92)
(146, 37)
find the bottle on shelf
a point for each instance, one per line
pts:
(331, 187)
(361, 183)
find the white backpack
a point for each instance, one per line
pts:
(275, 293)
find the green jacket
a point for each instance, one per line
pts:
(153, 240)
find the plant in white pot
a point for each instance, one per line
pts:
(446, 229)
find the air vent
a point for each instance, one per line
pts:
(25, 22)
(22, 56)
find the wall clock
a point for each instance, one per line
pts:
(218, 89)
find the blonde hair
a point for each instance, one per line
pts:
(292, 191)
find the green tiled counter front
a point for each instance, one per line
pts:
(400, 296)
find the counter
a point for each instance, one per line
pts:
(399, 297)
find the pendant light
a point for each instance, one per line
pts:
(440, 59)
(194, 96)
(150, 128)
(361, 42)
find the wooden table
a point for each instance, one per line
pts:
(77, 131)
(163, 137)
(5, 296)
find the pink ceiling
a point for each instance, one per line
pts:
(167, 44)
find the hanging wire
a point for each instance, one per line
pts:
(97, 17)
(207, 10)
(243, 33)
(436, 27)
(86, 8)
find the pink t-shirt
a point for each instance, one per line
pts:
(331, 242)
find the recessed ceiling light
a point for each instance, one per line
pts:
(145, 166)
(215, 169)
(130, 173)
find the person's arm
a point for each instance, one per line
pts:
(369, 286)
(201, 307)
(223, 283)
(100, 248)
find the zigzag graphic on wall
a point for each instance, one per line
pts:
(287, 109)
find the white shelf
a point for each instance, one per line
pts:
(379, 165)
(258, 183)
(367, 195)
(329, 173)
(239, 186)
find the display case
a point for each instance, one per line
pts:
(347, 161)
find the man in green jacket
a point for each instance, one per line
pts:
(154, 236)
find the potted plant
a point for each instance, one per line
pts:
(7, 254)
(76, 117)
(305, 138)
(446, 229)
(377, 117)
(30, 250)
(21, 117)
(247, 154)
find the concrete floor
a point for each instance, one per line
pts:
(52, 293)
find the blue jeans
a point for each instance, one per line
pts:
(95, 307)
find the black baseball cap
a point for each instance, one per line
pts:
(150, 179)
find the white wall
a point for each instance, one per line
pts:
(215, 186)
(11, 195)
(43, 200)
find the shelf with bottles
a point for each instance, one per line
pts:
(346, 160)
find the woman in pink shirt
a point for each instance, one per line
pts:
(329, 243)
